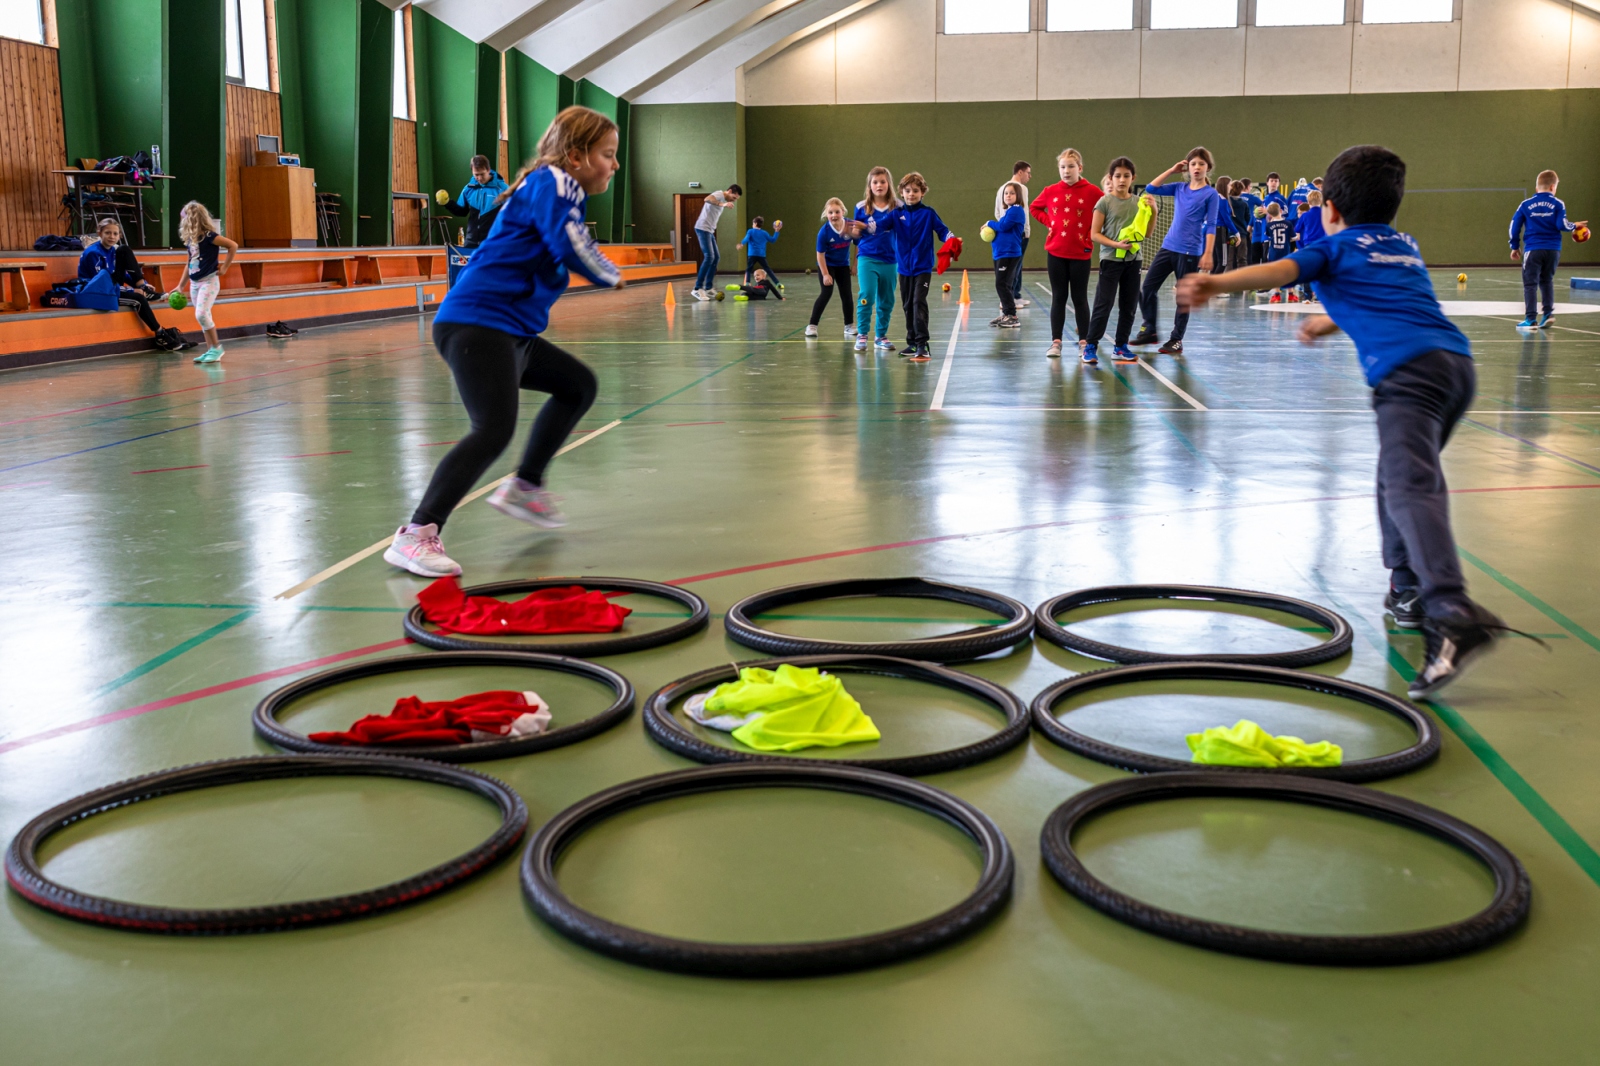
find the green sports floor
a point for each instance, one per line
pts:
(159, 512)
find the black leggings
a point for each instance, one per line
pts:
(489, 367)
(847, 301)
(140, 303)
(1068, 275)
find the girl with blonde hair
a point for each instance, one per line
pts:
(833, 266)
(488, 332)
(875, 261)
(200, 234)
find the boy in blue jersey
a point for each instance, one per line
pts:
(1188, 246)
(1375, 286)
(1545, 220)
(755, 249)
(914, 225)
(1271, 194)
(1279, 241)
(478, 202)
(1308, 230)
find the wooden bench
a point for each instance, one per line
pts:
(333, 273)
(12, 272)
(378, 268)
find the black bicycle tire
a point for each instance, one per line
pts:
(1392, 764)
(26, 878)
(267, 726)
(800, 959)
(664, 728)
(416, 628)
(1338, 642)
(952, 647)
(1505, 912)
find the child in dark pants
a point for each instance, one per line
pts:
(1545, 220)
(1119, 263)
(1007, 228)
(1375, 286)
(761, 286)
(755, 244)
(914, 223)
(833, 266)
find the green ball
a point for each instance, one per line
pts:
(722, 295)
(177, 301)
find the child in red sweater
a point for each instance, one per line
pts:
(1066, 210)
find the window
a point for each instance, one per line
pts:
(1193, 14)
(247, 43)
(1408, 11)
(402, 82)
(1088, 15)
(1299, 12)
(986, 16)
(22, 19)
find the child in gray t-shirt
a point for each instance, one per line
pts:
(1119, 263)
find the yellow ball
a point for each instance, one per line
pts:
(987, 233)
(441, 197)
(1462, 278)
(947, 286)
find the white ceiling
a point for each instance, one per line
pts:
(649, 51)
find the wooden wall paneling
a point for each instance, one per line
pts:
(408, 214)
(32, 143)
(250, 111)
(503, 159)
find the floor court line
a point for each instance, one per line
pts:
(1168, 382)
(1531, 444)
(145, 436)
(949, 361)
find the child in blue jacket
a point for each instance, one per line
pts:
(755, 244)
(478, 202)
(914, 225)
(1007, 246)
(488, 332)
(1544, 218)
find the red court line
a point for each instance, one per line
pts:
(805, 418)
(674, 425)
(313, 455)
(1529, 488)
(438, 444)
(197, 694)
(169, 469)
(913, 411)
(208, 385)
(24, 485)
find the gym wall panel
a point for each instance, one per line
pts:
(1515, 44)
(533, 97)
(250, 111)
(446, 78)
(408, 214)
(1406, 58)
(1188, 62)
(674, 144)
(1583, 67)
(33, 142)
(1086, 66)
(886, 54)
(986, 66)
(801, 74)
(1304, 59)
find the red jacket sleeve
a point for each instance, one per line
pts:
(1039, 209)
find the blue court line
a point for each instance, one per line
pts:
(172, 653)
(1536, 447)
(130, 440)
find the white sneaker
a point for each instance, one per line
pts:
(701, 294)
(527, 503)
(849, 331)
(1023, 301)
(419, 550)
(811, 331)
(861, 344)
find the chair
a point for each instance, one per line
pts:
(328, 229)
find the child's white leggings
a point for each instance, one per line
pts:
(203, 294)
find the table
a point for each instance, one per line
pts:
(78, 178)
(424, 216)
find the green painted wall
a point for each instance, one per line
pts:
(1457, 143)
(447, 104)
(533, 96)
(486, 107)
(608, 211)
(195, 150)
(375, 126)
(674, 144)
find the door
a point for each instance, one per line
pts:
(686, 210)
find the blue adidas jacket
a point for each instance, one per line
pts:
(756, 241)
(1258, 226)
(1544, 218)
(1008, 232)
(879, 242)
(914, 227)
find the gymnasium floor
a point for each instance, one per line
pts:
(157, 510)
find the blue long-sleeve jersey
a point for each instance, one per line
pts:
(914, 226)
(1258, 226)
(523, 266)
(878, 243)
(756, 241)
(1540, 221)
(1008, 232)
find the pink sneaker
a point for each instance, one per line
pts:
(527, 503)
(419, 550)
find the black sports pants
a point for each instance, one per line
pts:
(847, 302)
(1119, 281)
(1068, 276)
(914, 302)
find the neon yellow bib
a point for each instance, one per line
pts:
(1247, 744)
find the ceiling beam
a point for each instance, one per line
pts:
(686, 41)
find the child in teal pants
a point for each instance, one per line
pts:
(875, 262)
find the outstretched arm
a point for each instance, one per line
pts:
(1196, 289)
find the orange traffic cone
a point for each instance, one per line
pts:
(966, 289)
(671, 300)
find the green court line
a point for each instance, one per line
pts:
(1539, 605)
(1560, 830)
(172, 653)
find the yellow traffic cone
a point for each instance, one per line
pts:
(671, 300)
(966, 290)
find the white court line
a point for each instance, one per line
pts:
(1532, 334)
(1043, 287)
(345, 564)
(949, 360)
(1159, 376)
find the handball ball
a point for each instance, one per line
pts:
(721, 295)
(947, 286)
(441, 197)
(1462, 278)
(1580, 234)
(177, 301)
(987, 234)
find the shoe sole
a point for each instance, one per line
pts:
(1462, 666)
(394, 558)
(522, 514)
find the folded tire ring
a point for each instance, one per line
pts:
(953, 647)
(665, 729)
(1424, 751)
(803, 959)
(1337, 644)
(1507, 910)
(416, 625)
(267, 726)
(29, 881)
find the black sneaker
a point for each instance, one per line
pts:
(1405, 606)
(1171, 348)
(1145, 336)
(1453, 644)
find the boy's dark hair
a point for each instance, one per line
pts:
(1122, 162)
(1272, 175)
(480, 162)
(734, 188)
(755, 223)
(1366, 184)
(1201, 153)
(1021, 164)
